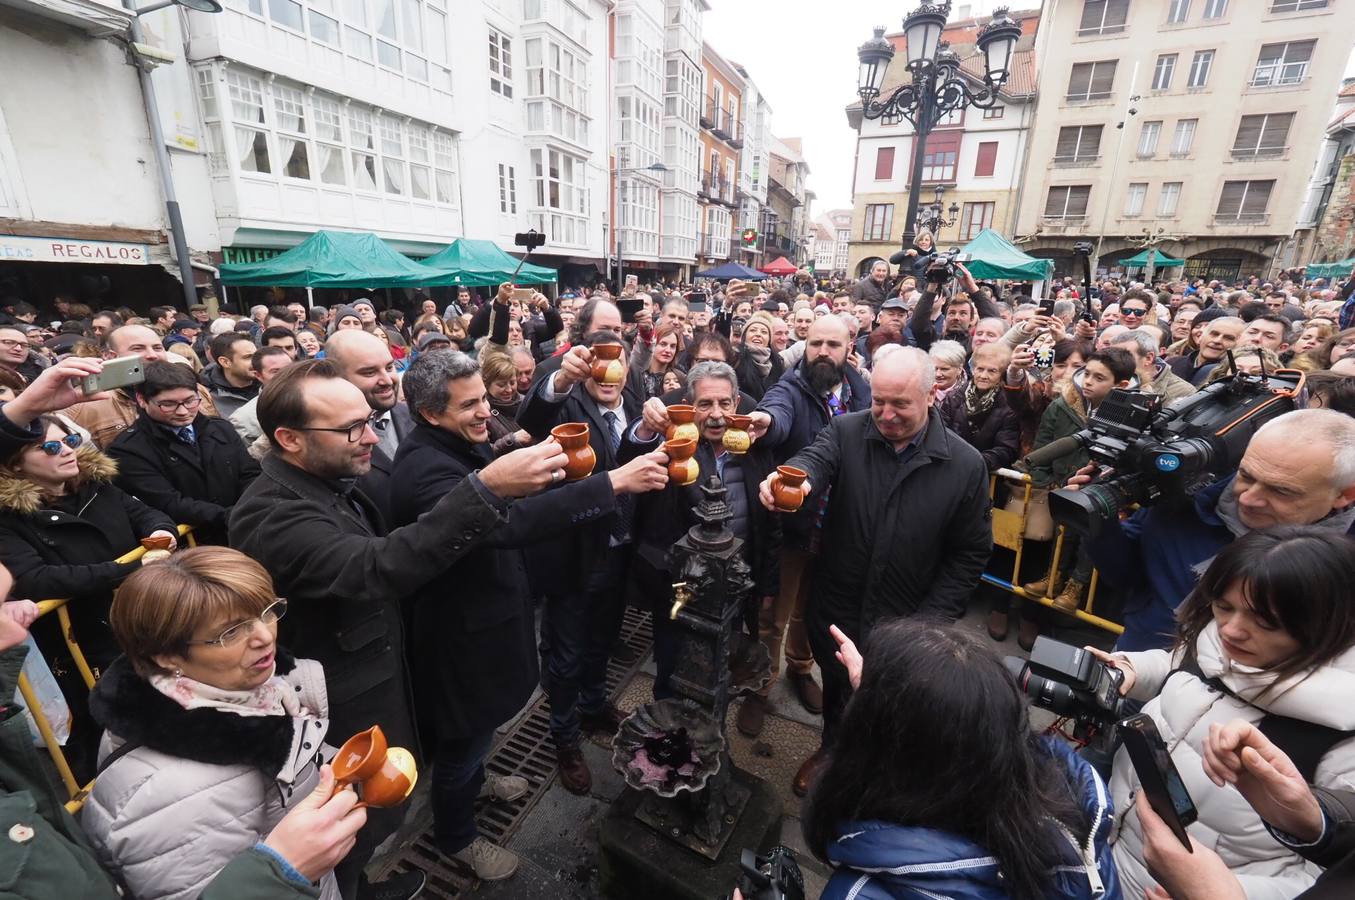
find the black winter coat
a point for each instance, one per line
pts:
(376, 484)
(473, 647)
(344, 577)
(563, 565)
(899, 538)
(798, 416)
(753, 382)
(195, 485)
(996, 434)
(54, 553)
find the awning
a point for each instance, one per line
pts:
(780, 266)
(732, 270)
(482, 264)
(1156, 258)
(1329, 270)
(334, 259)
(996, 257)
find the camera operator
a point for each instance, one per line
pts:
(1316, 823)
(1299, 469)
(959, 315)
(938, 786)
(1268, 636)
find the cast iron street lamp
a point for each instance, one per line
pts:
(937, 88)
(932, 218)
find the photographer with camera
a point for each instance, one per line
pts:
(937, 785)
(1298, 469)
(1268, 636)
(959, 314)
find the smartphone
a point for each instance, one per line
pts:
(523, 294)
(1047, 306)
(1044, 358)
(629, 309)
(632, 283)
(1162, 783)
(121, 372)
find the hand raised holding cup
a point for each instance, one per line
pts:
(785, 489)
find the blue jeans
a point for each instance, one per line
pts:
(580, 630)
(458, 774)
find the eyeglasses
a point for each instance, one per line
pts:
(237, 633)
(52, 448)
(169, 406)
(11, 344)
(1131, 311)
(354, 431)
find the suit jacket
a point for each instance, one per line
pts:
(565, 563)
(376, 484)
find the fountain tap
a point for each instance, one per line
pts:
(683, 597)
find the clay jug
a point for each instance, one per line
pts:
(573, 438)
(736, 439)
(607, 365)
(786, 491)
(682, 467)
(682, 423)
(157, 548)
(384, 776)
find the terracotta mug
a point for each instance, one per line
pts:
(573, 438)
(682, 423)
(383, 776)
(682, 468)
(157, 548)
(607, 365)
(737, 440)
(786, 491)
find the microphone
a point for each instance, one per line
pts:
(1053, 450)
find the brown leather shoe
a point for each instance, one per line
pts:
(809, 770)
(751, 716)
(606, 720)
(999, 624)
(808, 690)
(574, 773)
(1026, 634)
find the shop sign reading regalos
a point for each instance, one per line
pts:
(71, 250)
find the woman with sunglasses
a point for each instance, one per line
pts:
(213, 732)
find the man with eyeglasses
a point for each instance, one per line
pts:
(17, 356)
(175, 459)
(330, 553)
(109, 413)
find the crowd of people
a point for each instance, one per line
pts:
(385, 534)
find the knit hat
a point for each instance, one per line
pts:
(429, 339)
(343, 311)
(363, 301)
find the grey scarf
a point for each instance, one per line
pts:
(1226, 508)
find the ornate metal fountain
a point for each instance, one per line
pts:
(676, 750)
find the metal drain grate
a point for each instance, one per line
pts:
(526, 750)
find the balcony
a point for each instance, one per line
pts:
(1254, 153)
(722, 123)
(714, 245)
(718, 189)
(1243, 218)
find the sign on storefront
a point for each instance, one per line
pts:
(72, 250)
(233, 255)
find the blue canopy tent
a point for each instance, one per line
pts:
(732, 270)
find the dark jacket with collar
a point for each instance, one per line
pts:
(868, 290)
(661, 517)
(53, 553)
(899, 538)
(473, 646)
(1336, 850)
(195, 485)
(376, 484)
(799, 414)
(563, 564)
(344, 577)
(1191, 368)
(996, 434)
(227, 396)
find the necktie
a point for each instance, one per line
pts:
(386, 435)
(186, 435)
(625, 504)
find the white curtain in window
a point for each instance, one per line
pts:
(418, 182)
(329, 160)
(251, 148)
(364, 172)
(394, 170)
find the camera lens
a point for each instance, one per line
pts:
(1052, 695)
(1084, 510)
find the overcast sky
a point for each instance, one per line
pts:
(802, 56)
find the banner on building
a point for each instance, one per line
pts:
(71, 250)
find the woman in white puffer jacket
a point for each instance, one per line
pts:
(1271, 629)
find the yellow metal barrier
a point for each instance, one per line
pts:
(78, 793)
(1009, 531)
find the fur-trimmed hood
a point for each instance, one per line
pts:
(20, 495)
(126, 705)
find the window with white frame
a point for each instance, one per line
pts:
(1168, 199)
(1183, 137)
(1103, 17)
(362, 155)
(1178, 11)
(420, 177)
(508, 189)
(975, 218)
(1215, 9)
(1148, 137)
(1133, 199)
(1078, 144)
(639, 216)
(329, 141)
(1264, 135)
(1068, 201)
(719, 229)
(879, 222)
(251, 131)
(1200, 65)
(560, 13)
(444, 167)
(682, 156)
(557, 92)
(500, 63)
(1288, 6)
(560, 182)
(678, 238)
(681, 89)
(638, 130)
(994, 112)
(844, 237)
(289, 110)
(1163, 70)
(731, 180)
(1091, 81)
(392, 155)
(1244, 201)
(1280, 64)
(639, 53)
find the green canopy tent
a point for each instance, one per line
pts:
(996, 257)
(482, 264)
(1154, 259)
(334, 259)
(1329, 270)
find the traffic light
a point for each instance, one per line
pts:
(749, 237)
